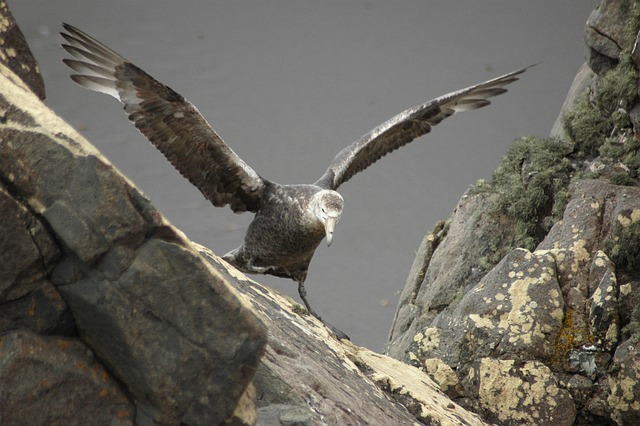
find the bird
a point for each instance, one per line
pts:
(291, 220)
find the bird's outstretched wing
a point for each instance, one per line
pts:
(407, 126)
(169, 121)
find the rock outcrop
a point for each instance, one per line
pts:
(523, 306)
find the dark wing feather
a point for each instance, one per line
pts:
(169, 121)
(407, 126)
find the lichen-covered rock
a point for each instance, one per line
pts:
(15, 53)
(56, 380)
(619, 401)
(447, 264)
(515, 311)
(513, 392)
(562, 306)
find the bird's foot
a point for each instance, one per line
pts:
(303, 295)
(340, 335)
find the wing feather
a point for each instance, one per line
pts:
(169, 121)
(409, 125)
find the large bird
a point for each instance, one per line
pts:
(290, 220)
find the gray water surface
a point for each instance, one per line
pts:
(289, 83)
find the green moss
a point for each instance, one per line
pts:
(622, 178)
(602, 113)
(624, 248)
(599, 115)
(532, 182)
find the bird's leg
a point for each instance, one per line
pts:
(303, 295)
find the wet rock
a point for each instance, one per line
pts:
(56, 380)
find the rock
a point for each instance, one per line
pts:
(581, 82)
(308, 377)
(536, 318)
(177, 336)
(56, 380)
(27, 254)
(16, 55)
(604, 34)
(513, 392)
(446, 266)
(620, 399)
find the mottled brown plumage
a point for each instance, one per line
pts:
(290, 220)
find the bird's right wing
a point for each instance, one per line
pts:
(169, 121)
(407, 126)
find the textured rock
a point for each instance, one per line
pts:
(547, 336)
(27, 255)
(604, 34)
(581, 82)
(522, 393)
(621, 401)
(307, 377)
(15, 53)
(446, 266)
(177, 335)
(56, 380)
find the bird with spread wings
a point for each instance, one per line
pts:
(290, 220)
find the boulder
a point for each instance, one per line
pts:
(179, 338)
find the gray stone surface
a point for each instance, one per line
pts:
(176, 335)
(309, 377)
(56, 380)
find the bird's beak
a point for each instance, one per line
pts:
(329, 227)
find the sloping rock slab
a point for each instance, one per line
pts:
(171, 329)
(307, 377)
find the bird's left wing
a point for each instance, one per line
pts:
(169, 121)
(407, 126)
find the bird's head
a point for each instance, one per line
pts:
(327, 208)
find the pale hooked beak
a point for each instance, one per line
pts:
(329, 227)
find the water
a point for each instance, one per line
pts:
(289, 83)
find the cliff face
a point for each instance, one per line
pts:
(523, 305)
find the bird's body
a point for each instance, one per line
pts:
(290, 220)
(286, 222)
